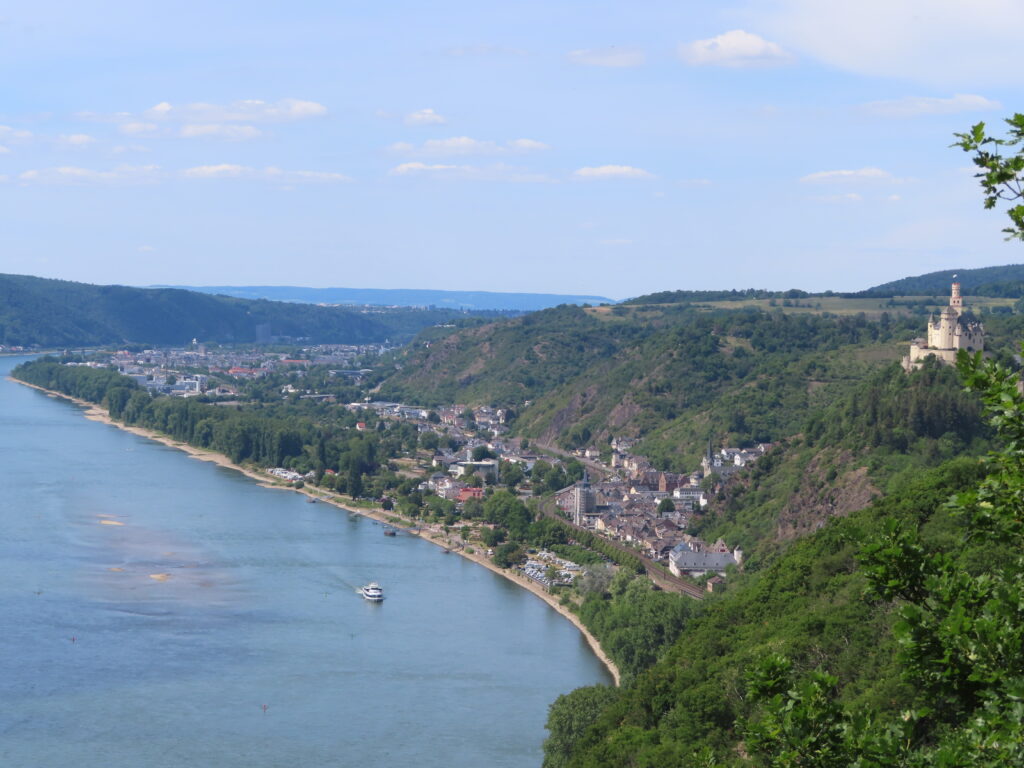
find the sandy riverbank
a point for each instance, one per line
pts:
(97, 413)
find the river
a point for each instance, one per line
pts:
(162, 611)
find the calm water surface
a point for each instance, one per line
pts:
(160, 611)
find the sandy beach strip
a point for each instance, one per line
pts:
(95, 412)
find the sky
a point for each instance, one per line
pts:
(604, 148)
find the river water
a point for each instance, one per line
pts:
(158, 611)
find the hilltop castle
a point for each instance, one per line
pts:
(947, 335)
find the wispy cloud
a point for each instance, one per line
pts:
(137, 128)
(13, 134)
(612, 172)
(912, 106)
(270, 173)
(736, 48)
(76, 140)
(464, 145)
(139, 174)
(496, 172)
(611, 56)
(244, 111)
(940, 42)
(861, 174)
(407, 169)
(205, 120)
(220, 131)
(72, 175)
(424, 117)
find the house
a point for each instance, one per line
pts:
(465, 494)
(692, 558)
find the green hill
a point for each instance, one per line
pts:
(664, 373)
(1006, 281)
(57, 313)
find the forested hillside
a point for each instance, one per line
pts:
(1005, 280)
(889, 637)
(58, 313)
(670, 375)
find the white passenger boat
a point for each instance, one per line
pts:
(372, 592)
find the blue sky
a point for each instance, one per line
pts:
(604, 148)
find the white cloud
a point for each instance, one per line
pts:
(612, 172)
(122, 148)
(6, 132)
(464, 145)
(424, 117)
(221, 171)
(273, 173)
(270, 173)
(736, 48)
(894, 198)
(76, 140)
(146, 249)
(911, 106)
(610, 56)
(941, 42)
(497, 172)
(220, 131)
(68, 174)
(527, 145)
(861, 174)
(247, 110)
(406, 169)
(136, 128)
(3, 150)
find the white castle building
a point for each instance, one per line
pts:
(947, 335)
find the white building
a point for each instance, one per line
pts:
(947, 335)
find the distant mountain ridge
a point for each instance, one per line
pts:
(402, 297)
(58, 313)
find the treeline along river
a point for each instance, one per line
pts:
(161, 611)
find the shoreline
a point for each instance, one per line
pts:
(95, 412)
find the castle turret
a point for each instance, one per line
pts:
(956, 301)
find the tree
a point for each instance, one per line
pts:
(960, 633)
(511, 474)
(507, 555)
(482, 452)
(666, 505)
(492, 537)
(1001, 177)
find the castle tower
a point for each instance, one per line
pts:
(956, 301)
